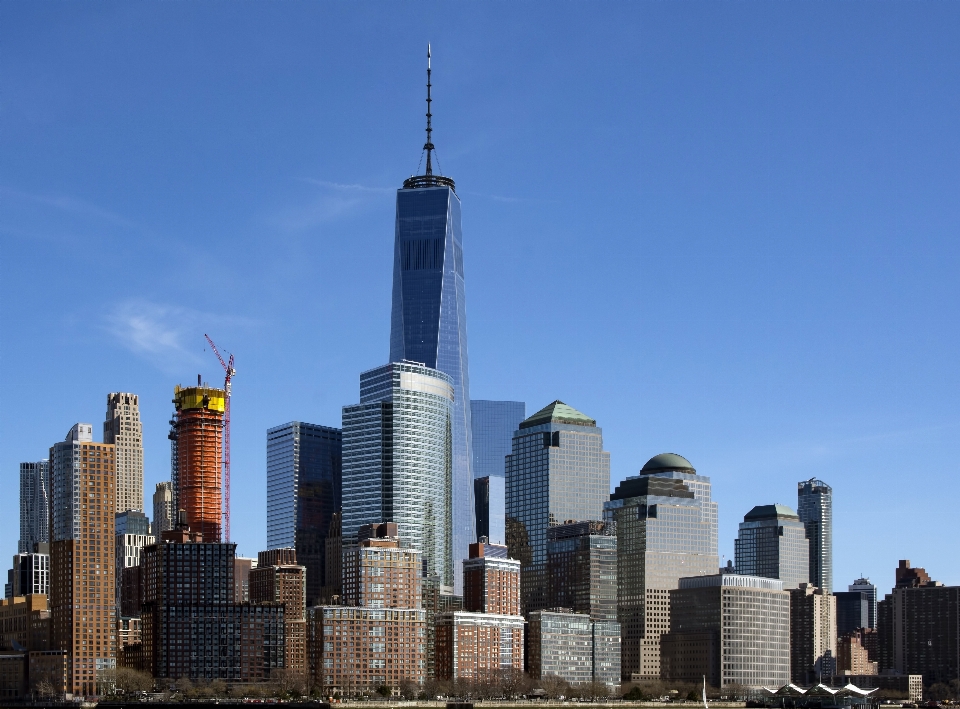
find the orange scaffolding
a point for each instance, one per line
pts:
(199, 431)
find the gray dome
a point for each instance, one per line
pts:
(666, 462)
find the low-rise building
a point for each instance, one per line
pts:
(13, 676)
(25, 623)
(572, 647)
(728, 629)
(478, 646)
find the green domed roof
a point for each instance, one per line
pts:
(776, 511)
(666, 462)
(558, 412)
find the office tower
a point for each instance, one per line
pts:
(772, 543)
(198, 431)
(333, 562)
(132, 530)
(864, 586)
(492, 425)
(83, 500)
(303, 494)
(666, 522)
(918, 627)
(729, 629)
(853, 611)
(488, 500)
(164, 512)
(813, 634)
(123, 429)
(377, 637)
(557, 470)
(242, 567)
(572, 647)
(853, 658)
(30, 573)
(191, 626)
(34, 505)
(279, 579)
(582, 568)
(428, 319)
(397, 462)
(815, 510)
(491, 581)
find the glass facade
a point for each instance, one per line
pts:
(557, 471)
(582, 569)
(815, 509)
(864, 586)
(489, 502)
(397, 460)
(773, 544)
(303, 493)
(34, 505)
(429, 325)
(666, 522)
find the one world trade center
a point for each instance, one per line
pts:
(428, 320)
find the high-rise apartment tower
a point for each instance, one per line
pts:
(83, 499)
(34, 505)
(123, 429)
(164, 512)
(815, 509)
(428, 321)
(304, 463)
(198, 431)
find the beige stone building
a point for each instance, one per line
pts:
(122, 429)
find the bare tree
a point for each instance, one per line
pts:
(130, 680)
(555, 687)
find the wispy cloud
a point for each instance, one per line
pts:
(71, 205)
(168, 336)
(332, 201)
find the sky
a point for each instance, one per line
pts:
(726, 230)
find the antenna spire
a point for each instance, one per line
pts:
(428, 146)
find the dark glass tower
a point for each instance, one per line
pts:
(429, 319)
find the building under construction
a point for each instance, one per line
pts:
(197, 432)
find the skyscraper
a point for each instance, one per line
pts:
(82, 597)
(34, 505)
(557, 471)
(397, 460)
(772, 543)
(582, 568)
(132, 535)
(815, 509)
(493, 424)
(813, 634)
(666, 522)
(123, 429)
(304, 463)
(863, 585)
(198, 431)
(428, 322)
(164, 512)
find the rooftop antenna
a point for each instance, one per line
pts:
(428, 146)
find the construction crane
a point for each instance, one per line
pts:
(228, 378)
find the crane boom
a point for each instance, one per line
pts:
(229, 371)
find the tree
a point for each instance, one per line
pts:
(938, 692)
(409, 689)
(129, 680)
(555, 687)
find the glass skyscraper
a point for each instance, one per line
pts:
(666, 523)
(557, 471)
(303, 493)
(493, 425)
(428, 322)
(815, 509)
(772, 543)
(863, 585)
(397, 460)
(34, 505)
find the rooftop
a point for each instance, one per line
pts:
(558, 412)
(770, 512)
(667, 462)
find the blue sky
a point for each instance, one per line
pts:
(726, 230)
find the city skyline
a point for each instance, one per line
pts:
(514, 337)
